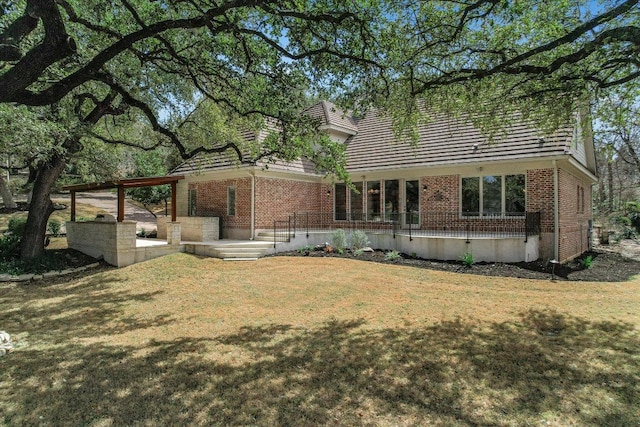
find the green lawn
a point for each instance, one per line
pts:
(183, 340)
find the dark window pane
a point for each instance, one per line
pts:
(412, 201)
(192, 202)
(356, 201)
(373, 201)
(340, 192)
(391, 199)
(231, 201)
(471, 195)
(491, 195)
(514, 194)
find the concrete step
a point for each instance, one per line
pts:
(239, 259)
(263, 238)
(229, 254)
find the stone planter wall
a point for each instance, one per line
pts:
(194, 228)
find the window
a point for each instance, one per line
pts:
(373, 201)
(514, 194)
(357, 200)
(391, 199)
(471, 196)
(191, 202)
(231, 201)
(340, 202)
(412, 202)
(493, 195)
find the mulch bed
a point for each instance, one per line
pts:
(605, 266)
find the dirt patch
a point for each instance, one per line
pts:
(600, 265)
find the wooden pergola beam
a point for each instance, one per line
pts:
(121, 185)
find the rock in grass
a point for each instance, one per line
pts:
(6, 345)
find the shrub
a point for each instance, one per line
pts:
(9, 247)
(392, 256)
(54, 227)
(358, 240)
(587, 261)
(467, 259)
(357, 252)
(339, 240)
(16, 225)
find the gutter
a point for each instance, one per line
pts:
(253, 205)
(556, 212)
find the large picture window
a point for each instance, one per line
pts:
(493, 195)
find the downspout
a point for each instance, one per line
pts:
(556, 212)
(253, 205)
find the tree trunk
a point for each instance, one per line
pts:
(7, 198)
(40, 208)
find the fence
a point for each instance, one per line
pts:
(418, 224)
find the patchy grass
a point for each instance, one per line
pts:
(297, 341)
(82, 211)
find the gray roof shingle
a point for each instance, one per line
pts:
(442, 141)
(445, 141)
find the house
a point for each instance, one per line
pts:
(519, 197)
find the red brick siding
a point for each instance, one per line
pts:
(442, 193)
(276, 199)
(211, 200)
(574, 216)
(540, 199)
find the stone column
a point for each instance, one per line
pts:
(174, 232)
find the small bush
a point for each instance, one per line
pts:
(339, 240)
(9, 247)
(358, 252)
(16, 225)
(587, 261)
(54, 227)
(392, 256)
(358, 240)
(304, 249)
(467, 259)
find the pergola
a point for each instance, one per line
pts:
(121, 185)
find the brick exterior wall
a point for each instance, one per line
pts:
(276, 199)
(211, 200)
(442, 193)
(575, 213)
(539, 187)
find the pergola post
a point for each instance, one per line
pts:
(73, 206)
(120, 203)
(173, 200)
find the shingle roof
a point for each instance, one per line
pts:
(229, 160)
(330, 115)
(442, 141)
(445, 141)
